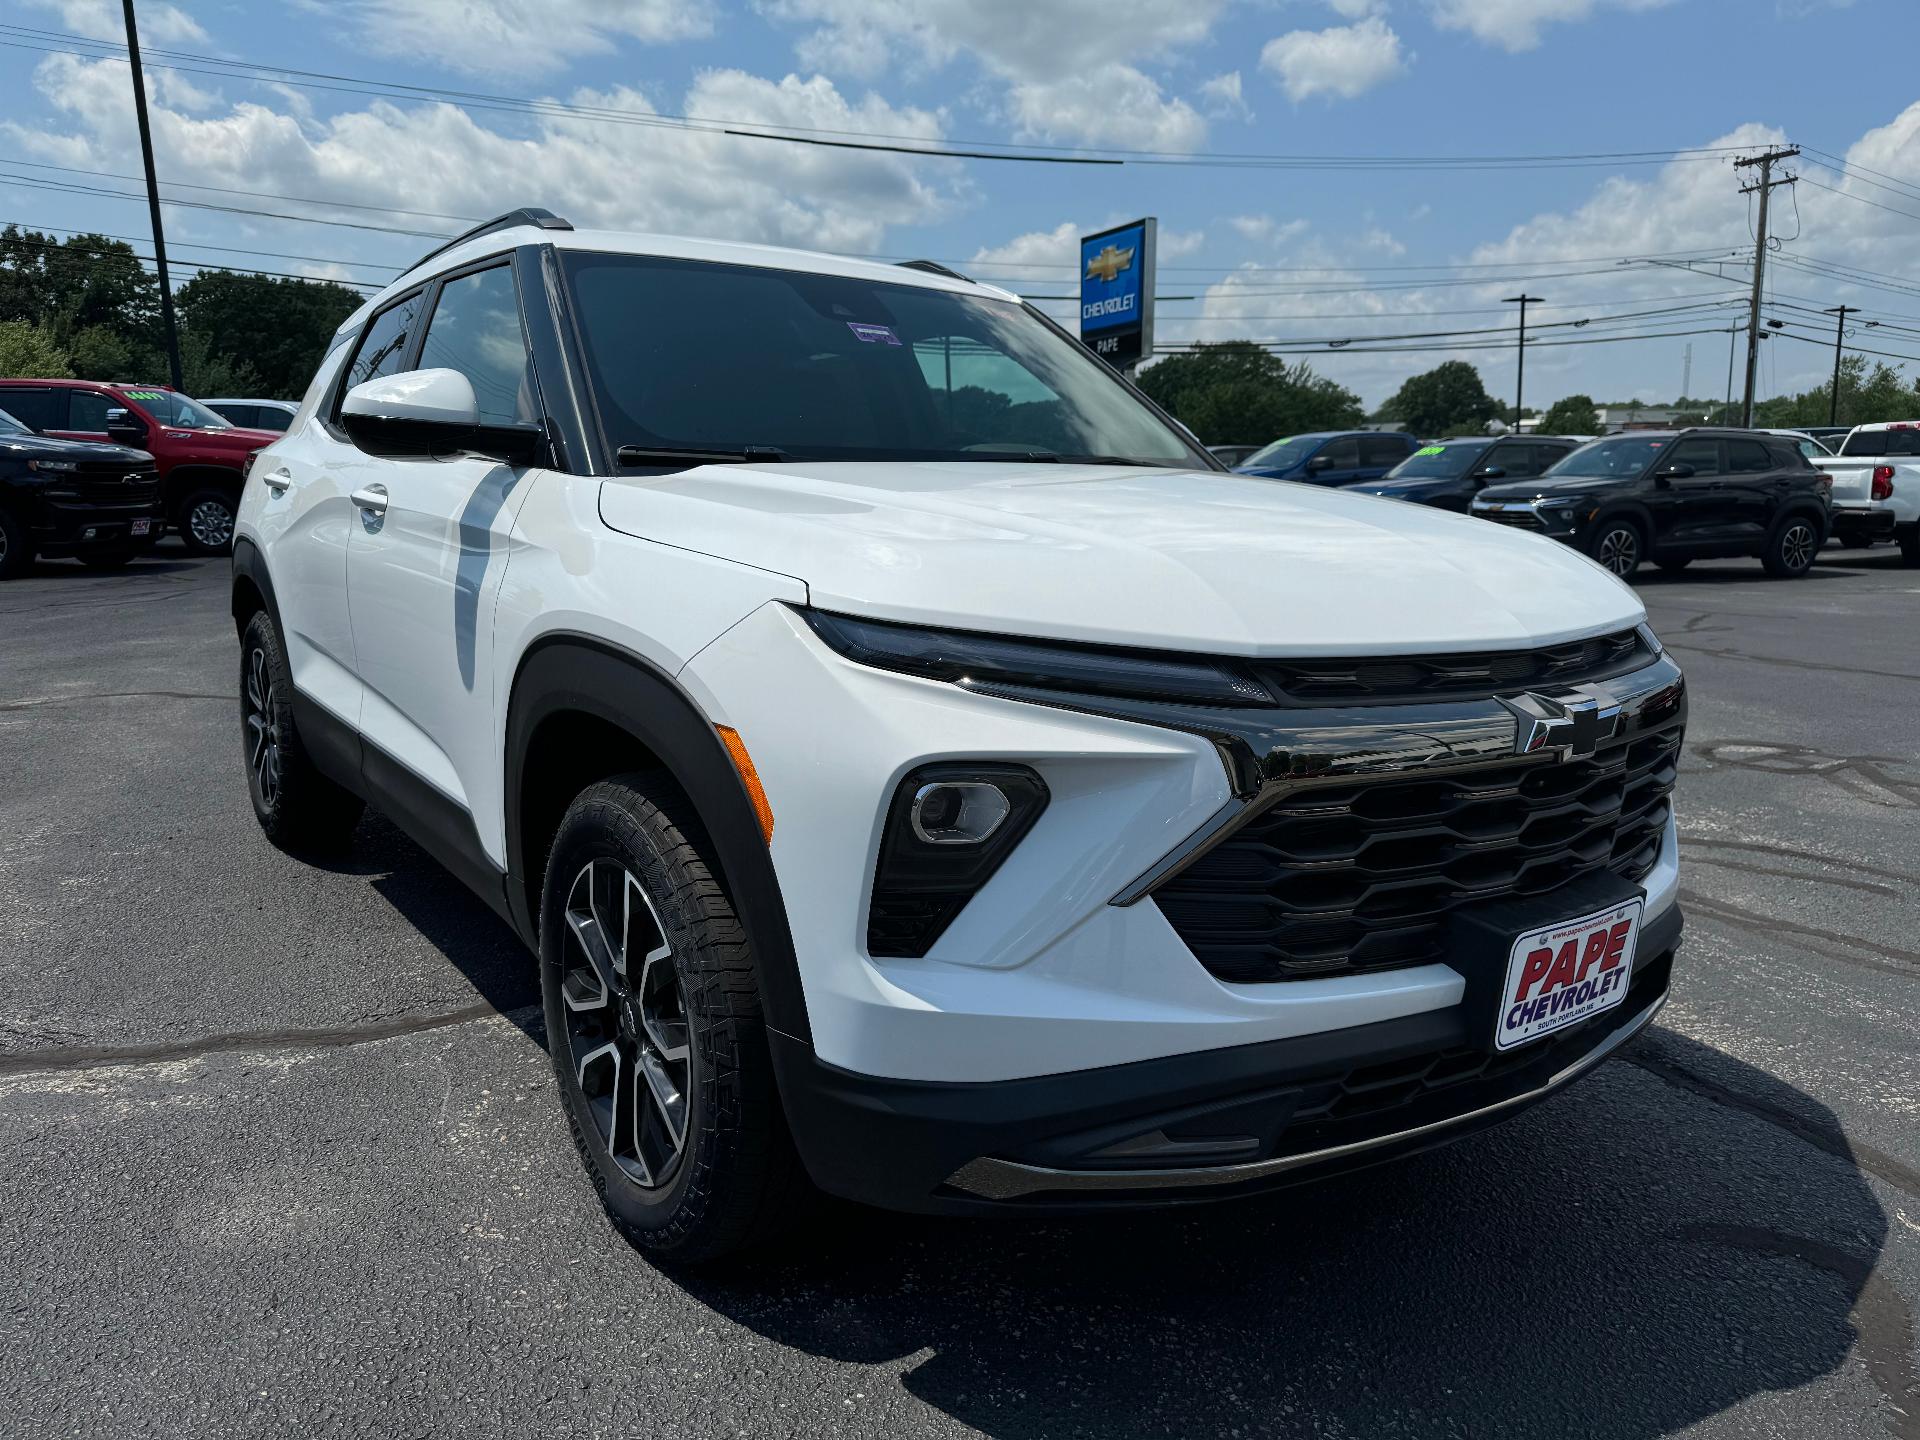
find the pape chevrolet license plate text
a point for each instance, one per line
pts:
(1566, 973)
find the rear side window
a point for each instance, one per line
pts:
(1702, 455)
(1747, 457)
(89, 410)
(267, 417)
(1860, 442)
(238, 414)
(476, 330)
(36, 409)
(383, 349)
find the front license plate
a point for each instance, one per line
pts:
(1567, 972)
(143, 527)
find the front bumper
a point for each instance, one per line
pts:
(1190, 1128)
(73, 527)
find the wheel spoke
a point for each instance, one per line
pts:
(591, 987)
(668, 1097)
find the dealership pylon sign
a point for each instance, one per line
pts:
(1116, 292)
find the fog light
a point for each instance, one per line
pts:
(958, 812)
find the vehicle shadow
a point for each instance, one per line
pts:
(65, 569)
(1624, 1261)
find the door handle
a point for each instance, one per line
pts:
(371, 498)
(278, 481)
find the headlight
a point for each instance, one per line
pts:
(964, 656)
(54, 467)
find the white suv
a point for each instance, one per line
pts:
(921, 769)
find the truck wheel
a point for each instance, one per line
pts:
(206, 521)
(300, 809)
(655, 1026)
(1617, 545)
(16, 549)
(1791, 548)
(1910, 547)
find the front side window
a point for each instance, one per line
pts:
(1341, 454)
(1702, 455)
(88, 410)
(701, 356)
(383, 350)
(475, 329)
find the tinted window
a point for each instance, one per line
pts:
(695, 355)
(1515, 460)
(88, 410)
(1748, 457)
(475, 329)
(268, 417)
(1702, 455)
(1341, 454)
(1384, 449)
(384, 347)
(1860, 442)
(237, 414)
(37, 409)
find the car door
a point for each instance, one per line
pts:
(1336, 463)
(429, 549)
(1756, 485)
(1689, 509)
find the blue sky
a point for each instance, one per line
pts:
(1184, 80)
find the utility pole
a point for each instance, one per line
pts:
(153, 200)
(1520, 382)
(1764, 186)
(1840, 312)
(1733, 336)
(1686, 373)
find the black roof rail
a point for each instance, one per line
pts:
(934, 267)
(525, 215)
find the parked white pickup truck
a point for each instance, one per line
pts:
(1876, 486)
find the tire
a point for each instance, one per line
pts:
(106, 559)
(16, 547)
(665, 1023)
(1619, 546)
(301, 810)
(1910, 547)
(205, 520)
(1791, 548)
(1673, 565)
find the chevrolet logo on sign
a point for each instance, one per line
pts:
(1109, 263)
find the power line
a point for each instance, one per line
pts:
(1862, 200)
(178, 264)
(33, 226)
(253, 194)
(66, 187)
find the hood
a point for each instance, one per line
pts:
(1187, 560)
(1537, 487)
(1270, 472)
(39, 446)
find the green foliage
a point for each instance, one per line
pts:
(1236, 393)
(1448, 399)
(1574, 415)
(75, 283)
(99, 352)
(276, 328)
(1866, 396)
(29, 350)
(203, 372)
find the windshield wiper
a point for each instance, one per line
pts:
(680, 455)
(1115, 460)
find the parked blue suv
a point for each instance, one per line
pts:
(1331, 457)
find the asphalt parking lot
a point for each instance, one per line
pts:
(279, 1149)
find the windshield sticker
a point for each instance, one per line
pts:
(868, 334)
(1430, 450)
(143, 394)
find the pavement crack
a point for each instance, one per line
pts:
(336, 1037)
(1881, 1318)
(1792, 852)
(1826, 942)
(1820, 665)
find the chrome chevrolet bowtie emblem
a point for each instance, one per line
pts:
(1109, 263)
(1569, 725)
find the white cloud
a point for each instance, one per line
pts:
(1034, 253)
(1357, 9)
(1516, 24)
(1267, 230)
(102, 20)
(1069, 69)
(519, 37)
(1342, 60)
(440, 159)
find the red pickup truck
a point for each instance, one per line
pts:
(201, 458)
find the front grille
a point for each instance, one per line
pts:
(1475, 674)
(112, 484)
(1519, 519)
(1359, 876)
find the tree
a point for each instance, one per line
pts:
(1449, 397)
(1881, 393)
(29, 351)
(1575, 415)
(1233, 392)
(276, 328)
(71, 284)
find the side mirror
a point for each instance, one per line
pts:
(125, 428)
(1319, 463)
(1492, 472)
(1679, 470)
(432, 412)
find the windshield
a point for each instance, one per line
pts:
(1603, 459)
(695, 356)
(1903, 441)
(11, 426)
(1438, 462)
(176, 410)
(1284, 454)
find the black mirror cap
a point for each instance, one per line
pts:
(1492, 472)
(1679, 470)
(513, 444)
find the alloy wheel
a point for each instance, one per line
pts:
(626, 1022)
(1797, 546)
(210, 522)
(1620, 551)
(263, 728)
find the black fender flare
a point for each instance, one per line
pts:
(1810, 508)
(250, 565)
(578, 673)
(1624, 510)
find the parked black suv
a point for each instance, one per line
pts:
(1673, 496)
(68, 497)
(1448, 473)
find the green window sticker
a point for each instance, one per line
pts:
(1431, 450)
(143, 394)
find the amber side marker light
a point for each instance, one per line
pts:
(749, 777)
